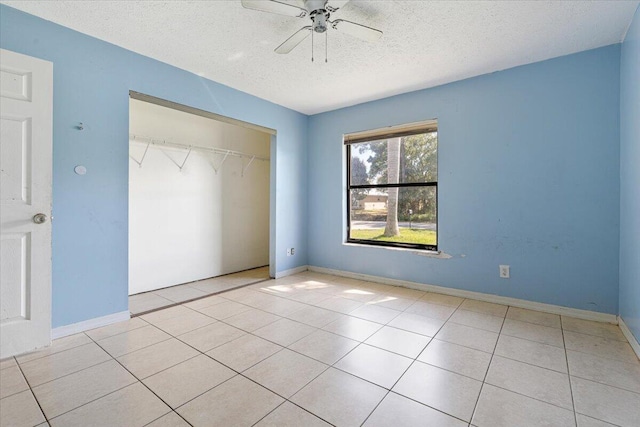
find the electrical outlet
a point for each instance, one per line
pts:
(293, 251)
(504, 271)
(288, 251)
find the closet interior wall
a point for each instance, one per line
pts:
(194, 214)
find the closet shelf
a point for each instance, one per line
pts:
(190, 147)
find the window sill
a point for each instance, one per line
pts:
(420, 252)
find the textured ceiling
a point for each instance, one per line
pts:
(425, 43)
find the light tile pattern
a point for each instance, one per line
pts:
(445, 391)
(375, 365)
(396, 410)
(528, 331)
(319, 350)
(285, 372)
(149, 301)
(456, 358)
(187, 380)
(290, 415)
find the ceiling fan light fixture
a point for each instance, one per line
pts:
(320, 19)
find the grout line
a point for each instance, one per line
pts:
(244, 334)
(97, 398)
(599, 356)
(406, 370)
(604, 384)
(141, 348)
(269, 413)
(19, 391)
(56, 353)
(598, 419)
(388, 390)
(309, 412)
(531, 364)
(466, 346)
(527, 339)
(276, 393)
(237, 373)
(119, 333)
(247, 368)
(162, 370)
(530, 397)
(213, 304)
(493, 353)
(143, 384)
(32, 393)
(449, 370)
(379, 403)
(469, 326)
(513, 319)
(177, 318)
(269, 322)
(51, 354)
(625, 341)
(71, 373)
(162, 416)
(7, 359)
(430, 407)
(395, 352)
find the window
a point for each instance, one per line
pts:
(392, 186)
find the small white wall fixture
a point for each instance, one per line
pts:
(198, 197)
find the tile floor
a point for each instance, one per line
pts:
(153, 300)
(318, 350)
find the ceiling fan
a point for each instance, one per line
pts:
(319, 11)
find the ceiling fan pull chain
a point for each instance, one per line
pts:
(312, 31)
(326, 46)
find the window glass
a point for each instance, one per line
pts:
(392, 191)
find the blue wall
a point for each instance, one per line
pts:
(92, 80)
(630, 178)
(528, 176)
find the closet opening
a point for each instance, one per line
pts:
(199, 203)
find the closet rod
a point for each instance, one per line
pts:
(165, 143)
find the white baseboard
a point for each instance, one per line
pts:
(515, 302)
(86, 325)
(629, 336)
(291, 271)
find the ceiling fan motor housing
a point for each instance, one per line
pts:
(318, 13)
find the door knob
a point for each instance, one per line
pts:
(40, 218)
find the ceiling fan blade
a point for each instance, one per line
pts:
(274, 6)
(356, 30)
(294, 40)
(334, 5)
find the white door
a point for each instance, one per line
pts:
(26, 95)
